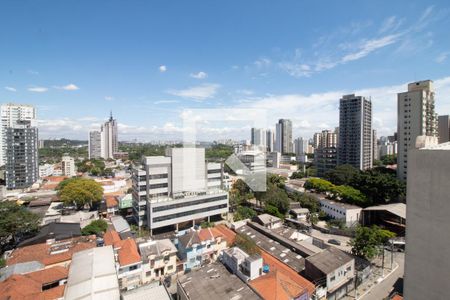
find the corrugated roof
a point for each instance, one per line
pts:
(329, 260)
(398, 209)
(92, 275)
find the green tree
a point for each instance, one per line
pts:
(275, 196)
(320, 185)
(297, 175)
(312, 218)
(206, 224)
(81, 192)
(351, 195)
(243, 212)
(272, 210)
(389, 160)
(95, 227)
(368, 240)
(16, 221)
(342, 175)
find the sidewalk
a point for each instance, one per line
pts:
(376, 277)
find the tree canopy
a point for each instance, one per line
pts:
(16, 221)
(243, 212)
(368, 240)
(95, 227)
(80, 192)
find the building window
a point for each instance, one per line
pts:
(148, 274)
(332, 278)
(133, 268)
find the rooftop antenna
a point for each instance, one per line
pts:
(110, 115)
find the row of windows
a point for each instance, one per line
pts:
(158, 185)
(188, 203)
(187, 213)
(214, 171)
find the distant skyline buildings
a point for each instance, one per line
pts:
(283, 136)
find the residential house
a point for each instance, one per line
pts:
(43, 284)
(128, 260)
(268, 221)
(56, 253)
(159, 259)
(349, 213)
(280, 282)
(333, 271)
(246, 267)
(300, 213)
(112, 205)
(199, 247)
(54, 231)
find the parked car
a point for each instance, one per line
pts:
(334, 242)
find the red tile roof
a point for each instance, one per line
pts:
(49, 254)
(281, 283)
(128, 253)
(111, 238)
(397, 297)
(55, 178)
(229, 235)
(29, 286)
(111, 201)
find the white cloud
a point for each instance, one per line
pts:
(199, 75)
(391, 24)
(109, 98)
(165, 101)
(33, 72)
(370, 46)
(201, 92)
(69, 87)
(10, 88)
(37, 89)
(442, 57)
(162, 68)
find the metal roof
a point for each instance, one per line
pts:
(147, 292)
(92, 275)
(398, 209)
(120, 224)
(329, 260)
(20, 268)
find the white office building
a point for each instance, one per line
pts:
(259, 138)
(176, 188)
(46, 170)
(10, 115)
(300, 146)
(68, 166)
(341, 211)
(416, 117)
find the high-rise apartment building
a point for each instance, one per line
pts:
(258, 137)
(325, 155)
(109, 138)
(68, 166)
(95, 145)
(177, 188)
(10, 114)
(301, 146)
(444, 129)
(270, 139)
(427, 248)
(21, 163)
(415, 117)
(355, 132)
(375, 152)
(283, 137)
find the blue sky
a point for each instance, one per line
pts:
(153, 62)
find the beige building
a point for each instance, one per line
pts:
(416, 117)
(159, 259)
(427, 267)
(68, 166)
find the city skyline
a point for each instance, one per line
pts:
(78, 71)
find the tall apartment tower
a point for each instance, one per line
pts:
(21, 165)
(444, 129)
(258, 137)
(427, 248)
(355, 132)
(10, 115)
(284, 136)
(177, 188)
(270, 139)
(109, 138)
(95, 144)
(415, 117)
(301, 146)
(325, 155)
(375, 152)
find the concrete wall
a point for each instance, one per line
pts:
(427, 263)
